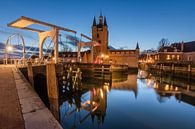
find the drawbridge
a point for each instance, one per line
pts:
(54, 33)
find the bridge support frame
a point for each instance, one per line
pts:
(53, 34)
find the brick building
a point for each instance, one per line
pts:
(103, 53)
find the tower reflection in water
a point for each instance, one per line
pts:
(89, 101)
(84, 103)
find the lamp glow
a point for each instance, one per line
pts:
(9, 48)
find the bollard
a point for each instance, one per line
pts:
(52, 85)
(30, 74)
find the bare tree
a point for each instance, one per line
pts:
(163, 42)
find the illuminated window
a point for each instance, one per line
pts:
(168, 57)
(178, 57)
(156, 58)
(173, 56)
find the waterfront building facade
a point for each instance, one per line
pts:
(183, 52)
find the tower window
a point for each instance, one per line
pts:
(98, 35)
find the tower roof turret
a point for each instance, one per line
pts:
(94, 21)
(105, 22)
(137, 46)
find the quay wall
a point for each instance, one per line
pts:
(183, 72)
(36, 115)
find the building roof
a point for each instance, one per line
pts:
(102, 22)
(166, 49)
(180, 47)
(189, 46)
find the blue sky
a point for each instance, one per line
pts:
(129, 21)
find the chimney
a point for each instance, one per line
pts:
(182, 46)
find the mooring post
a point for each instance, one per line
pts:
(189, 71)
(172, 69)
(161, 67)
(102, 71)
(30, 73)
(52, 85)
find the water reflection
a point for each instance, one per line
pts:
(89, 100)
(105, 104)
(130, 84)
(166, 87)
(77, 106)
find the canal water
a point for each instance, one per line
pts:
(128, 101)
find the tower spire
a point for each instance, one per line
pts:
(137, 46)
(105, 22)
(94, 21)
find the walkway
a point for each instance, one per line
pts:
(10, 110)
(20, 106)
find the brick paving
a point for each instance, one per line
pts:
(10, 110)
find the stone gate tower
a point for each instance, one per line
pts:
(100, 34)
